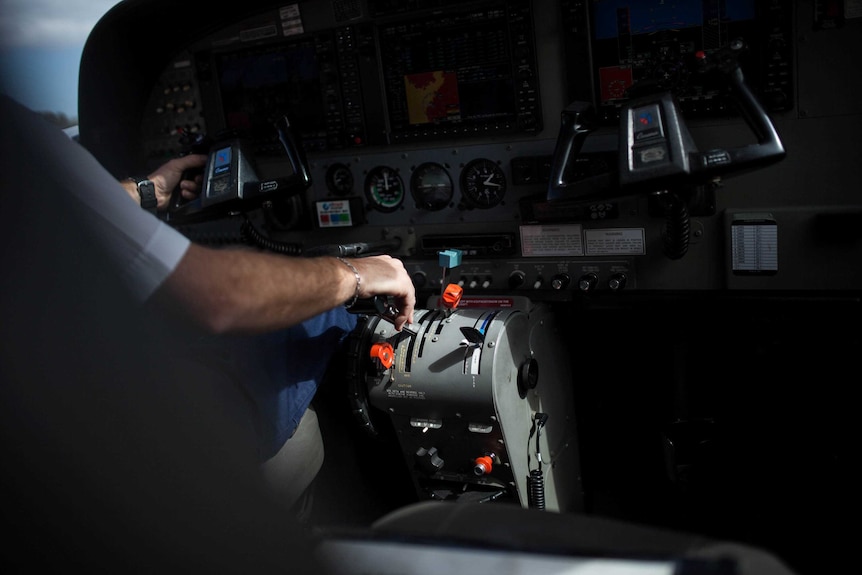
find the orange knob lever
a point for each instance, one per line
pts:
(452, 295)
(384, 353)
(482, 465)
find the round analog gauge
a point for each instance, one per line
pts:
(384, 189)
(339, 179)
(483, 183)
(431, 187)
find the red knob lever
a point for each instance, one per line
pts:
(384, 353)
(482, 465)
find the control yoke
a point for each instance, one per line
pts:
(231, 183)
(656, 150)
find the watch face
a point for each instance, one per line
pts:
(147, 191)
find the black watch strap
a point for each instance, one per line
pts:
(147, 191)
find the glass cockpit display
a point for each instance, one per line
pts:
(466, 72)
(631, 47)
(258, 85)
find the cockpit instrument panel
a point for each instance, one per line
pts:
(614, 45)
(468, 71)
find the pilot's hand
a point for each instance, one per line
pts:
(170, 174)
(385, 275)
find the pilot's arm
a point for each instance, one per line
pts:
(222, 290)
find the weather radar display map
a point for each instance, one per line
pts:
(432, 97)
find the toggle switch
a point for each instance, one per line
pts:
(560, 281)
(587, 282)
(617, 281)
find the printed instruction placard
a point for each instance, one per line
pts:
(615, 242)
(561, 240)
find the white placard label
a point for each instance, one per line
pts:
(754, 247)
(615, 242)
(562, 240)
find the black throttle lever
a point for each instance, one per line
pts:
(380, 306)
(375, 305)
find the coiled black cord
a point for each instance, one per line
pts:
(536, 489)
(536, 479)
(252, 236)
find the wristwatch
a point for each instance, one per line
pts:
(147, 191)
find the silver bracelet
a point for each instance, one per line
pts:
(358, 277)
